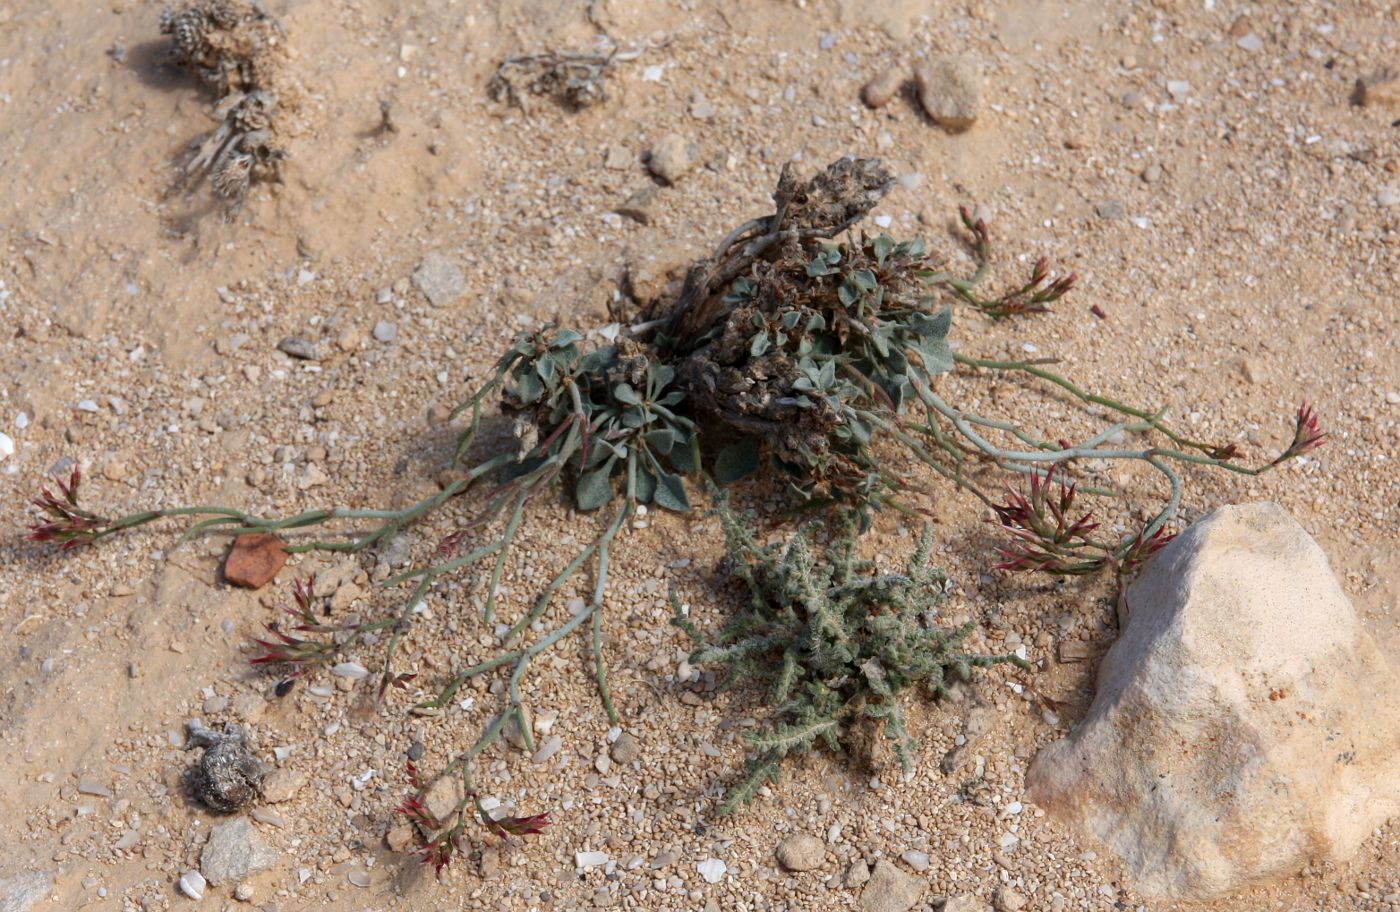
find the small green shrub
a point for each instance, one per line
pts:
(833, 644)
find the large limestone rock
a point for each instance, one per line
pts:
(1244, 724)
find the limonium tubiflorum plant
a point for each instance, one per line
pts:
(797, 351)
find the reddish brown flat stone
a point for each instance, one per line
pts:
(254, 559)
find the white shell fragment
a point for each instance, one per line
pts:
(192, 884)
(350, 670)
(712, 869)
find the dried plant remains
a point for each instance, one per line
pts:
(236, 48)
(575, 79)
(228, 777)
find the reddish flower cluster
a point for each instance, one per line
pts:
(519, 826)
(68, 523)
(1043, 536)
(445, 836)
(1032, 297)
(981, 237)
(1143, 548)
(440, 851)
(1046, 537)
(415, 810)
(293, 650)
(451, 542)
(1307, 435)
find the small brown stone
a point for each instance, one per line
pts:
(282, 785)
(638, 206)
(1378, 90)
(490, 863)
(882, 87)
(1240, 27)
(890, 889)
(950, 92)
(400, 837)
(626, 748)
(1074, 651)
(254, 559)
(801, 852)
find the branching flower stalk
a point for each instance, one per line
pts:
(71, 525)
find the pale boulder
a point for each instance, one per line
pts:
(1244, 723)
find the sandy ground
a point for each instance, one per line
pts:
(1254, 264)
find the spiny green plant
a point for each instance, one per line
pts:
(833, 643)
(791, 348)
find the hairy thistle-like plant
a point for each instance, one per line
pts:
(833, 643)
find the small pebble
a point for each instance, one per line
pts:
(617, 158)
(672, 157)
(916, 860)
(400, 837)
(625, 749)
(282, 785)
(857, 874)
(801, 852)
(700, 107)
(439, 280)
(880, 89)
(384, 331)
(547, 750)
(1110, 210)
(297, 347)
(1008, 900)
(584, 860)
(243, 892)
(7, 446)
(950, 91)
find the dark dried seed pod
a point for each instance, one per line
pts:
(228, 777)
(232, 176)
(224, 15)
(187, 30)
